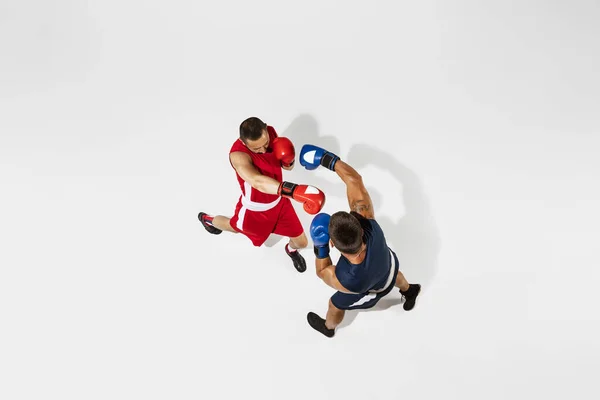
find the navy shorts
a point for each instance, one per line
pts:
(347, 301)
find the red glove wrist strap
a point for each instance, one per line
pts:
(287, 189)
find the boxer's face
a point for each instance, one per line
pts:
(260, 145)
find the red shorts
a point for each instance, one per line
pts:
(258, 225)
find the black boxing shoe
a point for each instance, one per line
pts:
(318, 324)
(411, 296)
(210, 228)
(297, 259)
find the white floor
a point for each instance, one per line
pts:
(476, 128)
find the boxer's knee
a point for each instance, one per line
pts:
(332, 307)
(299, 242)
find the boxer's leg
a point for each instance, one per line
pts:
(223, 223)
(289, 225)
(401, 282)
(409, 291)
(298, 242)
(334, 316)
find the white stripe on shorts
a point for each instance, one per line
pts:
(390, 277)
(364, 299)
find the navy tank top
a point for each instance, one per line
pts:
(373, 272)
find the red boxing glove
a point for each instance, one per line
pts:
(284, 151)
(311, 197)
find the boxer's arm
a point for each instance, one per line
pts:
(326, 272)
(358, 196)
(248, 172)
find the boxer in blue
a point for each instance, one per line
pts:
(367, 269)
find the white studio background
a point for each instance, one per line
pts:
(475, 127)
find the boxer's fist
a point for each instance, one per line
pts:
(312, 156)
(284, 151)
(312, 198)
(319, 232)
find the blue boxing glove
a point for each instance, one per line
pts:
(312, 156)
(319, 232)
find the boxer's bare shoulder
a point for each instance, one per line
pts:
(363, 207)
(242, 163)
(238, 158)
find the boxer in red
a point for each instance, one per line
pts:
(264, 206)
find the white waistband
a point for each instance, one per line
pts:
(254, 206)
(390, 277)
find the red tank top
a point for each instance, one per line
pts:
(267, 164)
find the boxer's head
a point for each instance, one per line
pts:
(346, 232)
(254, 134)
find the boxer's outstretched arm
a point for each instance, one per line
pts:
(358, 196)
(311, 197)
(248, 172)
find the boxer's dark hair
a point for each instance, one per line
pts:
(346, 231)
(251, 129)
